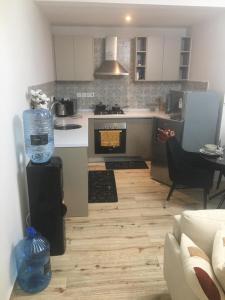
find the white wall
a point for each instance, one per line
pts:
(208, 53)
(208, 58)
(25, 59)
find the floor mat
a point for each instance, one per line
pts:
(102, 187)
(117, 165)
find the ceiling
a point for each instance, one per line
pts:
(101, 14)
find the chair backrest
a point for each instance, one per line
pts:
(175, 157)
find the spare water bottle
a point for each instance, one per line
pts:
(33, 262)
(38, 134)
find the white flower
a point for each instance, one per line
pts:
(38, 100)
(37, 96)
(33, 93)
(44, 98)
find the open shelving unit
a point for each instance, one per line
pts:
(140, 58)
(185, 54)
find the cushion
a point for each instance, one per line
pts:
(198, 271)
(201, 226)
(218, 257)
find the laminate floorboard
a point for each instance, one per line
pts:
(116, 253)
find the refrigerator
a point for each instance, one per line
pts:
(195, 116)
(222, 126)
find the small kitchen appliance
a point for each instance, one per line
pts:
(65, 107)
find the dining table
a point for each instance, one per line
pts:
(217, 163)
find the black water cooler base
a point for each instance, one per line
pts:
(45, 189)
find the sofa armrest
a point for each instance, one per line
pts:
(177, 228)
(173, 271)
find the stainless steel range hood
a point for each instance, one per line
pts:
(110, 66)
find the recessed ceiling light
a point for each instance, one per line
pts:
(128, 18)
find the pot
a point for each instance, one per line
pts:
(116, 108)
(100, 107)
(66, 107)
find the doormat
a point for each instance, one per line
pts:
(122, 165)
(101, 187)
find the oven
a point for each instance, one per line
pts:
(110, 137)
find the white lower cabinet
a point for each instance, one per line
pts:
(75, 180)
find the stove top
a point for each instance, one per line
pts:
(108, 112)
(101, 109)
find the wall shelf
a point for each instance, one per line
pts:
(185, 53)
(140, 58)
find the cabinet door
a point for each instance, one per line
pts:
(171, 59)
(154, 58)
(83, 59)
(64, 57)
(139, 138)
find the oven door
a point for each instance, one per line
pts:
(110, 139)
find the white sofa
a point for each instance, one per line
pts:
(200, 226)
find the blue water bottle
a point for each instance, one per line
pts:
(33, 262)
(38, 134)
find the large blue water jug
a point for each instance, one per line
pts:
(38, 134)
(33, 262)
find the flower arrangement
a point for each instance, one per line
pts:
(39, 99)
(164, 134)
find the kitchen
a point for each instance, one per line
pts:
(138, 103)
(142, 94)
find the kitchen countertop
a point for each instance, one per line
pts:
(79, 137)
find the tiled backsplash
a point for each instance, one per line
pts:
(194, 85)
(123, 91)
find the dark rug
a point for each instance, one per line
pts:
(118, 165)
(102, 187)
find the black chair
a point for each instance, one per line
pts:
(221, 173)
(188, 170)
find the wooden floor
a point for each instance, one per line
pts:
(117, 251)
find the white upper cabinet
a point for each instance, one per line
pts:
(64, 57)
(84, 59)
(74, 58)
(171, 58)
(154, 58)
(161, 58)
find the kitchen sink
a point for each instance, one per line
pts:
(67, 126)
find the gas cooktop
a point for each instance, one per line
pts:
(101, 109)
(109, 112)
